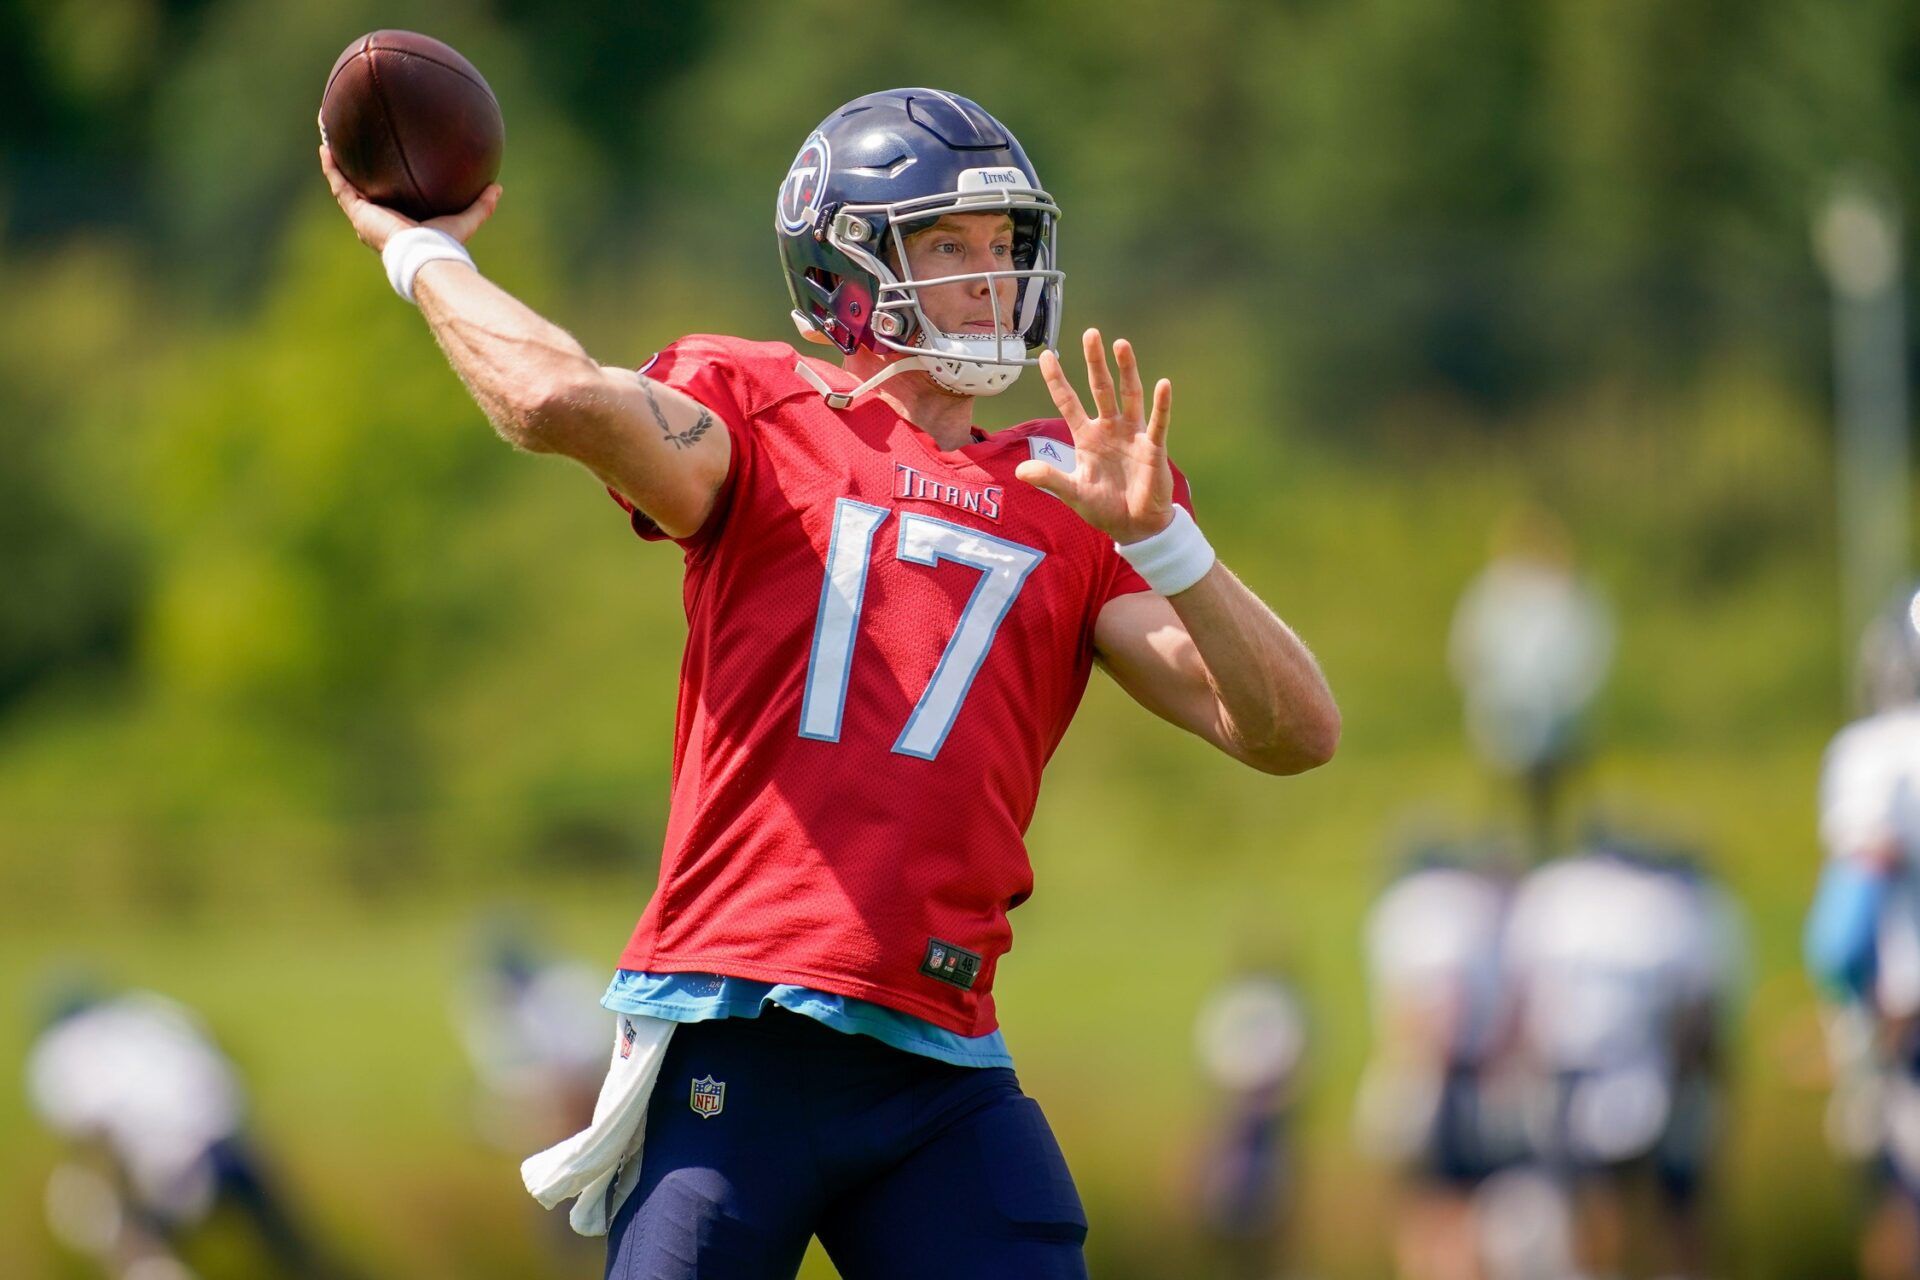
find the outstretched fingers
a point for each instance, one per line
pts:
(1162, 412)
(1099, 377)
(1132, 398)
(1065, 398)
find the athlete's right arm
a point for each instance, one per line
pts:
(541, 390)
(661, 448)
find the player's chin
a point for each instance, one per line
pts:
(925, 381)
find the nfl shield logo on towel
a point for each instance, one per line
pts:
(709, 1095)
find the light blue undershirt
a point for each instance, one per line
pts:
(698, 997)
(1843, 929)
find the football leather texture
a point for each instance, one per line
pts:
(412, 124)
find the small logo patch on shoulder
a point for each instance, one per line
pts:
(709, 1096)
(956, 966)
(1060, 457)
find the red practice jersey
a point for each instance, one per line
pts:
(885, 644)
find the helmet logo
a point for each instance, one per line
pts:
(989, 179)
(805, 186)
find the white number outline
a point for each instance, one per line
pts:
(925, 540)
(1001, 578)
(838, 615)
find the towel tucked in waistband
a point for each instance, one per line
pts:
(599, 1166)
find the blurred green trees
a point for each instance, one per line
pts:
(1465, 217)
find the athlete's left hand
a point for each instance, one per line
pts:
(1121, 484)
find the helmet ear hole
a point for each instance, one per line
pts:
(841, 307)
(820, 284)
(820, 307)
(853, 310)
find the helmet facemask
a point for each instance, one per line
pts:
(971, 364)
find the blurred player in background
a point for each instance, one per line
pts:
(1530, 647)
(1432, 1100)
(153, 1112)
(1626, 966)
(892, 615)
(538, 1041)
(1863, 936)
(1251, 1037)
(534, 1031)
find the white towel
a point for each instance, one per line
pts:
(604, 1157)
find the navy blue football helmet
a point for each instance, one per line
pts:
(870, 173)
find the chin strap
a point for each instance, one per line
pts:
(841, 399)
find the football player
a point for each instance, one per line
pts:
(1251, 1035)
(1624, 966)
(1431, 1100)
(1530, 644)
(154, 1116)
(1863, 935)
(892, 614)
(536, 1038)
(537, 1048)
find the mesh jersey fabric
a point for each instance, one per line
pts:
(937, 664)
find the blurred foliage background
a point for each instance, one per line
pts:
(300, 668)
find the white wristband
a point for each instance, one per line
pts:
(408, 251)
(1174, 558)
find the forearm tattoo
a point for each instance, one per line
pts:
(678, 439)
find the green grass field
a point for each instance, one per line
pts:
(339, 1014)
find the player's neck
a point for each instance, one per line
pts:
(946, 417)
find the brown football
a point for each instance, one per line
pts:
(412, 124)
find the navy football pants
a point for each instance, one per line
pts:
(903, 1166)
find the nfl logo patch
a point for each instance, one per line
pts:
(708, 1096)
(626, 1037)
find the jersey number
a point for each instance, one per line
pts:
(1003, 566)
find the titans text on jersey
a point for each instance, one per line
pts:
(886, 642)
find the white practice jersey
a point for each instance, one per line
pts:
(1605, 952)
(140, 1074)
(1434, 943)
(1870, 798)
(1870, 786)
